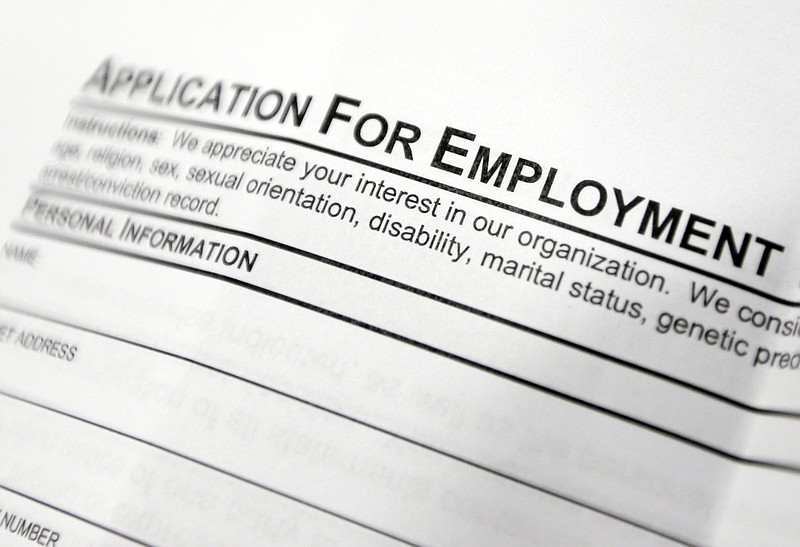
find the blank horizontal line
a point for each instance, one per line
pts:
(344, 416)
(204, 464)
(425, 294)
(86, 103)
(420, 345)
(73, 515)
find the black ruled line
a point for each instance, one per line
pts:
(158, 116)
(347, 417)
(794, 469)
(725, 399)
(73, 515)
(206, 465)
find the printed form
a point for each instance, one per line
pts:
(355, 274)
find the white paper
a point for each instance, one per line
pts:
(312, 274)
